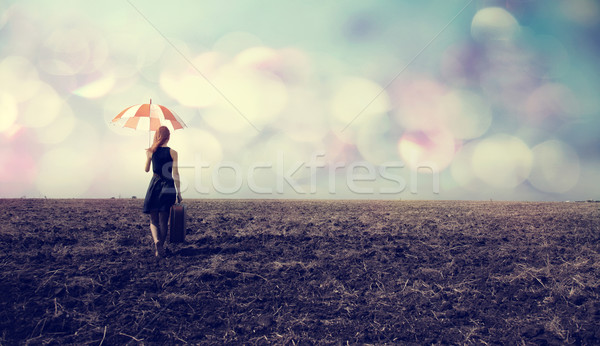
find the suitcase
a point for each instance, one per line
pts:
(177, 224)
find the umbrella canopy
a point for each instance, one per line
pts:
(148, 117)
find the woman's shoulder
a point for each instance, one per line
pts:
(173, 152)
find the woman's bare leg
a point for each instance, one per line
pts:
(155, 229)
(154, 226)
(164, 225)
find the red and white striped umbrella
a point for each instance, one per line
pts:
(148, 117)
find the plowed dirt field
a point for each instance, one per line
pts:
(308, 272)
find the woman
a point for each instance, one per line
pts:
(163, 189)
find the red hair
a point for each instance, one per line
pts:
(161, 136)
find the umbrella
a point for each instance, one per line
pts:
(149, 117)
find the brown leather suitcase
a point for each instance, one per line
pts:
(177, 224)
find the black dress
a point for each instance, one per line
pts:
(161, 192)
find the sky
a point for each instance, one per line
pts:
(432, 99)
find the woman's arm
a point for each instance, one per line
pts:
(175, 172)
(148, 160)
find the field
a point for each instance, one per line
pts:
(301, 272)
